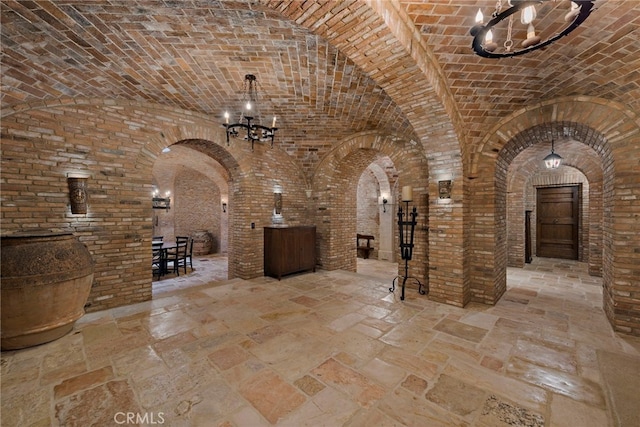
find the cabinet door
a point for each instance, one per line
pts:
(307, 248)
(290, 252)
(271, 249)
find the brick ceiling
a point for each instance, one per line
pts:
(193, 54)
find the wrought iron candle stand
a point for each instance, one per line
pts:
(406, 229)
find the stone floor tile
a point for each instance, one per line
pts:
(405, 409)
(557, 381)
(456, 396)
(621, 379)
(568, 412)
(309, 385)
(129, 362)
(415, 384)
(544, 354)
(409, 362)
(346, 321)
(22, 407)
(228, 357)
(354, 384)
(383, 373)
(520, 392)
(461, 330)
(327, 408)
(409, 339)
(273, 397)
(500, 413)
(97, 406)
(359, 345)
(82, 382)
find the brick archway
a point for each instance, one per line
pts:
(335, 184)
(611, 131)
(527, 171)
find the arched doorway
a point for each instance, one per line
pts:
(376, 206)
(527, 173)
(198, 186)
(336, 181)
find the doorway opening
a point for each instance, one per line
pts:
(199, 188)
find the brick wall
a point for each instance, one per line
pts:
(116, 145)
(197, 206)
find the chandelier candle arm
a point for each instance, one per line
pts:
(255, 132)
(483, 44)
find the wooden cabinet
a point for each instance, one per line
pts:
(289, 250)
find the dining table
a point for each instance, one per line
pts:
(164, 248)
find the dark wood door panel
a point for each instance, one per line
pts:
(557, 222)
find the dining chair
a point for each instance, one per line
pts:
(158, 264)
(190, 254)
(178, 257)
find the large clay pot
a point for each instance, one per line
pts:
(45, 282)
(202, 242)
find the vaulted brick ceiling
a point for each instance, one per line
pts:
(193, 54)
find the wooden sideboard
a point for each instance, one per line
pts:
(289, 250)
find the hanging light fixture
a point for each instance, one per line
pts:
(553, 160)
(255, 132)
(484, 35)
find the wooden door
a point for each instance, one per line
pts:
(557, 222)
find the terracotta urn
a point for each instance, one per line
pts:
(202, 242)
(46, 278)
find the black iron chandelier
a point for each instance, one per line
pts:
(484, 34)
(255, 132)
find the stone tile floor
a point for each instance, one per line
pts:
(334, 349)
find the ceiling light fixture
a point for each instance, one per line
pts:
(255, 132)
(553, 160)
(483, 35)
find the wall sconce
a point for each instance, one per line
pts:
(277, 199)
(383, 200)
(161, 202)
(444, 189)
(224, 207)
(78, 194)
(277, 202)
